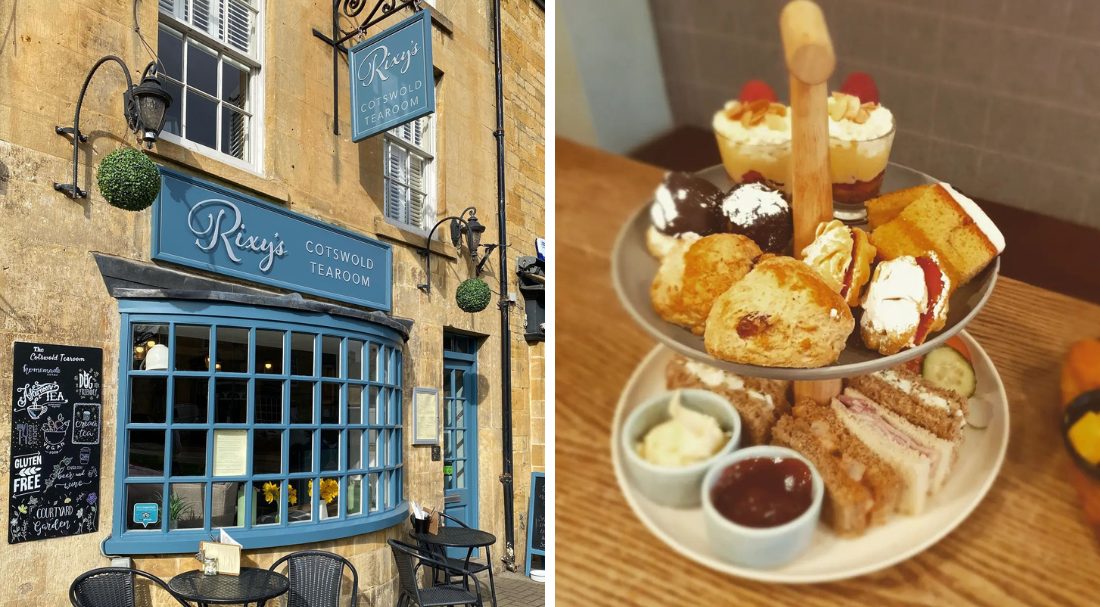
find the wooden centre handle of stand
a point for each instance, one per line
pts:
(808, 51)
(810, 61)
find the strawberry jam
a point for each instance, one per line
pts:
(933, 281)
(763, 491)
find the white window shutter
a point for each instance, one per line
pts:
(396, 193)
(417, 187)
(239, 26)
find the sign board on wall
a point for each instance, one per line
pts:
(56, 425)
(202, 225)
(392, 77)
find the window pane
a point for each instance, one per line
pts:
(170, 53)
(191, 398)
(234, 139)
(269, 401)
(192, 348)
(372, 449)
(330, 403)
(373, 497)
(301, 402)
(355, 494)
(299, 504)
(146, 337)
(329, 498)
(374, 401)
(355, 359)
(460, 443)
(355, 404)
(355, 449)
(188, 452)
(301, 354)
(267, 452)
(234, 83)
(330, 450)
(230, 401)
(301, 451)
(232, 350)
(201, 119)
(146, 453)
(173, 116)
(394, 405)
(202, 69)
(390, 489)
(227, 505)
(148, 396)
(266, 498)
(330, 356)
(269, 351)
(372, 363)
(149, 497)
(185, 505)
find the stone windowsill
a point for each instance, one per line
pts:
(186, 159)
(390, 232)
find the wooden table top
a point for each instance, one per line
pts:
(1025, 544)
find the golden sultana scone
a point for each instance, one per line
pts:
(782, 314)
(693, 275)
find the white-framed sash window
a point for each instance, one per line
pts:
(409, 158)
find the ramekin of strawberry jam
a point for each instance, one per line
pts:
(761, 505)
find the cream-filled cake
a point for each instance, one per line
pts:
(754, 137)
(861, 134)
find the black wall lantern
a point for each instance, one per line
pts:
(145, 107)
(461, 227)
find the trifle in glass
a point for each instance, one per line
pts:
(754, 139)
(860, 138)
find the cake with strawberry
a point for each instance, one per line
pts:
(754, 136)
(861, 133)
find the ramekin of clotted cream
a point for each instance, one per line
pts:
(666, 443)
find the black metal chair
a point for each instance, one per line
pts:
(112, 587)
(409, 560)
(455, 565)
(315, 578)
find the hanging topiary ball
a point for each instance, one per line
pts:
(473, 295)
(128, 179)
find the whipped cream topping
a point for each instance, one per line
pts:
(984, 223)
(879, 123)
(746, 204)
(717, 378)
(663, 210)
(687, 437)
(935, 400)
(896, 298)
(754, 135)
(830, 253)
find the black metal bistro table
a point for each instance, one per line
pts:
(463, 537)
(251, 586)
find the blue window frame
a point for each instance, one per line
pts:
(232, 416)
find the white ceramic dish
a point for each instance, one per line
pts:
(830, 558)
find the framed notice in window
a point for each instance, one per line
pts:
(425, 416)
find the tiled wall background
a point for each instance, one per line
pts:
(1000, 97)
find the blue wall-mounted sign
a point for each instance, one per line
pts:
(392, 78)
(202, 225)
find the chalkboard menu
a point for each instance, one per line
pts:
(536, 538)
(56, 424)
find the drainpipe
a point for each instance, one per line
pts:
(509, 558)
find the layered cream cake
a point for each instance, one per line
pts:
(860, 138)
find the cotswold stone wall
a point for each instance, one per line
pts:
(51, 291)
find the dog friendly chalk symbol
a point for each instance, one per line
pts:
(146, 514)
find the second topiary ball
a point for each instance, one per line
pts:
(128, 179)
(473, 295)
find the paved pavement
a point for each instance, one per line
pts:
(517, 590)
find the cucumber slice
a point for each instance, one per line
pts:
(944, 367)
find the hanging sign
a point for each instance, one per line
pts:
(56, 422)
(202, 225)
(392, 78)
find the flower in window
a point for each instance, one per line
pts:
(293, 497)
(330, 488)
(271, 491)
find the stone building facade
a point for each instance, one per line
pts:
(51, 290)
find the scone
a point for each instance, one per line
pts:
(842, 256)
(693, 275)
(685, 208)
(782, 314)
(907, 301)
(759, 402)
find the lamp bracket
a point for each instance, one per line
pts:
(351, 9)
(68, 131)
(488, 250)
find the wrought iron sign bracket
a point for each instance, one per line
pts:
(383, 9)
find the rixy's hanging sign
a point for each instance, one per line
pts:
(203, 225)
(392, 78)
(56, 426)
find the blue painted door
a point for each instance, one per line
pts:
(460, 431)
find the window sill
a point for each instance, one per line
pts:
(441, 21)
(390, 232)
(187, 541)
(184, 157)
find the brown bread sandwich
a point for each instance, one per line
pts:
(941, 412)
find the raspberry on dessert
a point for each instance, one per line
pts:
(757, 89)
(861, 85)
